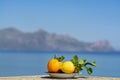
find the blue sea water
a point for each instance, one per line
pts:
(35, 63)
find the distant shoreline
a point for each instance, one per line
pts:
(15, 40)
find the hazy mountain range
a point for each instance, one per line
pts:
(41, 40)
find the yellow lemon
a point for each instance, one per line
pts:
(68, 67)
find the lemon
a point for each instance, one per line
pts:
(68, 67)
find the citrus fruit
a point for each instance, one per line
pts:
(68, 67)
(54, 65)
(60, 64)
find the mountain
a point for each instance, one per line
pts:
(41, 40)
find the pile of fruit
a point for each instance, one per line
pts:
(56, 65)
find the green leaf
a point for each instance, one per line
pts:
(93, 64)
(72, 60)
(90, 63)
(61, 58)
(80, 67)
(55, 56)
(75, 58)
(82, 61)
(82, 64)
(89, 70)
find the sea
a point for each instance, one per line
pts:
(17, 63)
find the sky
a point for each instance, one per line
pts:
(85, 20)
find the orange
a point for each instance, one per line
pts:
(54, 65)
(60, 64)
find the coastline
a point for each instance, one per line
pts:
(46, 77)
